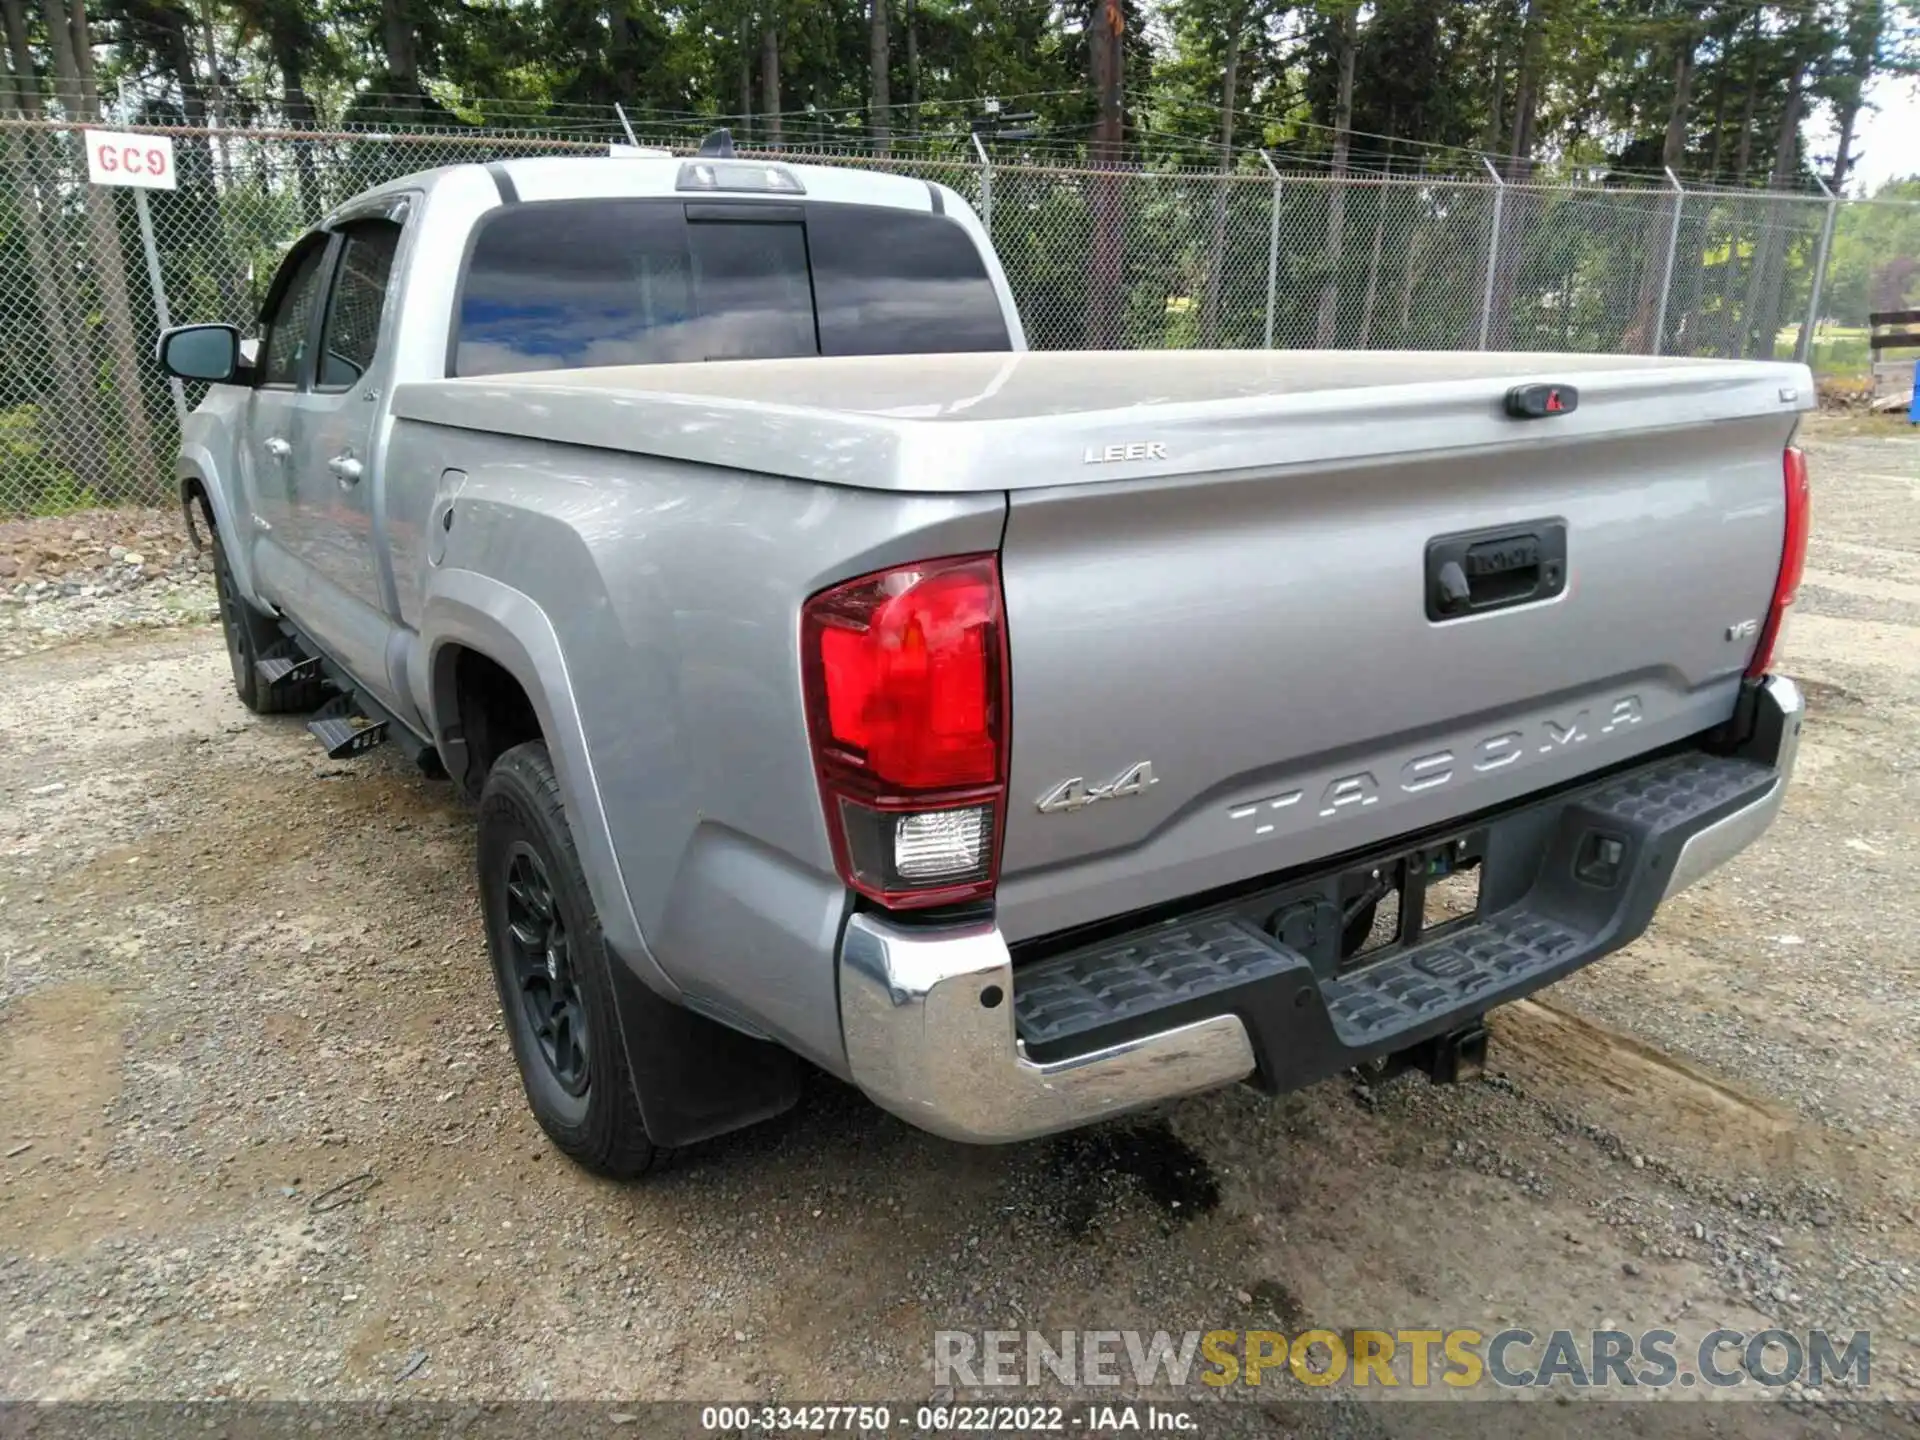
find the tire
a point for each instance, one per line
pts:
(553, 971)
(249, 635)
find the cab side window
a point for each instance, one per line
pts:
(351, 332)
(288, 319)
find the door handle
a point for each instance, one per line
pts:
(1481, 570)
(277, 447)
(346, 467)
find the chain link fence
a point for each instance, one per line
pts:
(1134, 258)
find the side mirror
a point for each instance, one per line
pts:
(201, 352)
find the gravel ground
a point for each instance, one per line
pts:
(100, 572)
(238, 976)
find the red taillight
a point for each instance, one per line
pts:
(1793, 559)
(906, 676)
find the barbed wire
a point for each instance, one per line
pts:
(1148, 151)
(381, 110)
(1478, 157)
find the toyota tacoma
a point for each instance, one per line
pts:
(1022, 737)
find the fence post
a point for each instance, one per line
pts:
(986, 184)
(626, 125)
(1493, 250)
(1673, 247)
(1805, 348)
(159, 284)
(1273, 247)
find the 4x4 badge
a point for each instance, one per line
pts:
(1077, 794)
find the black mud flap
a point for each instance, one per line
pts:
(695, 1078)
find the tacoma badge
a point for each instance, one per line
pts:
(1077, 794)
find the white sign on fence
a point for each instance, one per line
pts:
(144, 162)
(117, 158)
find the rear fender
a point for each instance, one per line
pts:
(463, 608)
(693, 1077)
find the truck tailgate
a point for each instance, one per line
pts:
(1217, 678)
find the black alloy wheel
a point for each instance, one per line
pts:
(541, 955)
(553, 971)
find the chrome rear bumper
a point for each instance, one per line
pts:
(929, 1023)
(1779, 715)
(930, 1035)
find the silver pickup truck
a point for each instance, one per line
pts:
(1022, 737)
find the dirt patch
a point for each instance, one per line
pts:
(1629, 1080)
(57, 546)
(1094, 1167)
(61, 1063)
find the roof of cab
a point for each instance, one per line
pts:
(582, 177)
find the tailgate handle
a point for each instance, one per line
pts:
(1476, 571)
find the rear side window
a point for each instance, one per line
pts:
(636, 282)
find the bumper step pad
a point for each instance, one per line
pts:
(1143, 974)
(1306, 1024)
(1674, 791)
(1381, 1001)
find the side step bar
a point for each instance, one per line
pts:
(286, 665)
(350, 722)
(343, 730)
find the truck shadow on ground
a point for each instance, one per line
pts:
(1078, 1179)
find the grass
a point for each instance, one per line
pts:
(1854, 423)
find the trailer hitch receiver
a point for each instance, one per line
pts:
(1456, 1056)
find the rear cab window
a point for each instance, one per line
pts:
(564, 284)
